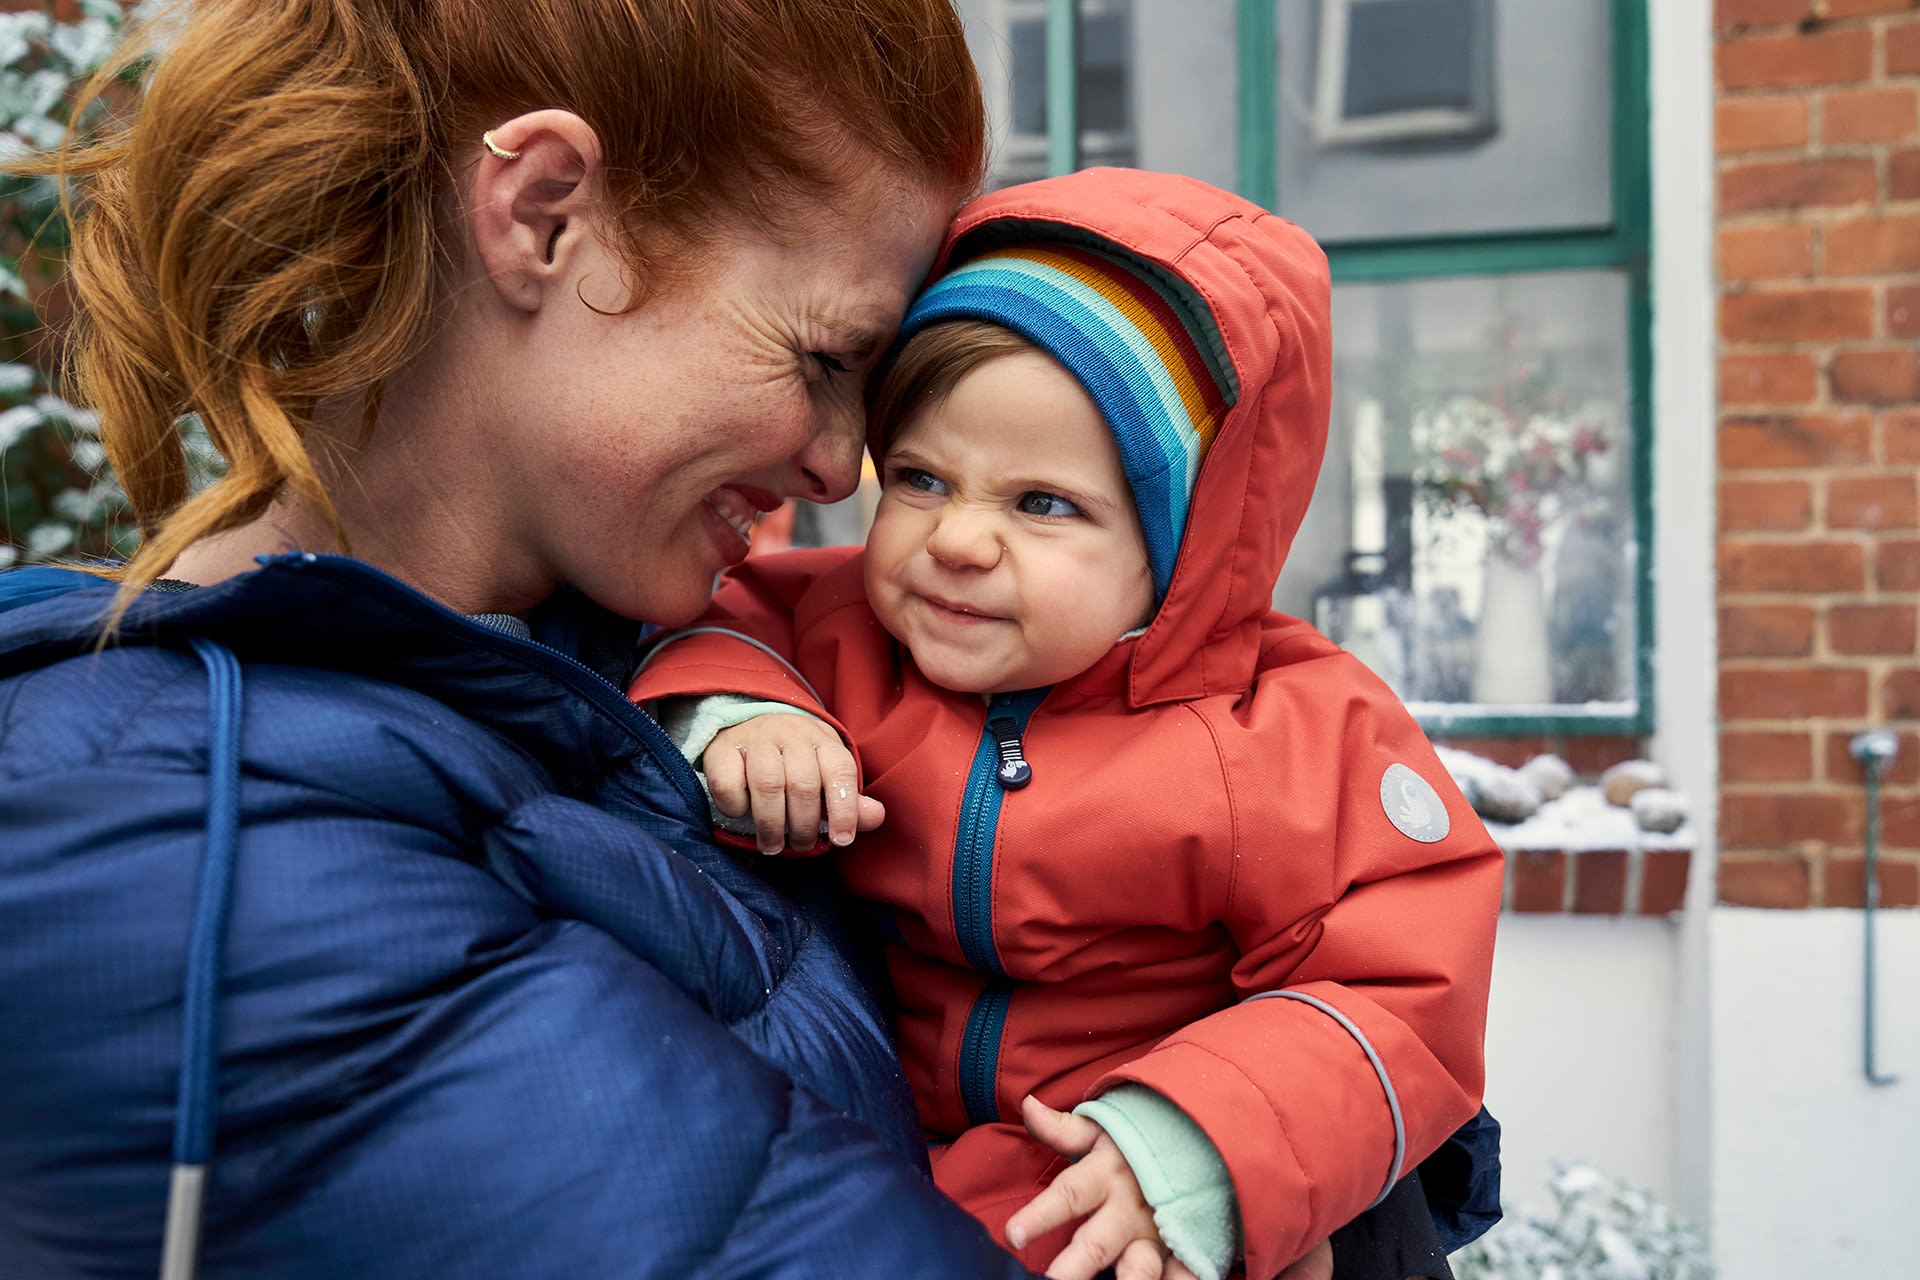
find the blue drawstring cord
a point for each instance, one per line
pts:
(199, 1038)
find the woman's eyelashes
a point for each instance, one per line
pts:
(829, 363)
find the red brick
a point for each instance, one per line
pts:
(1599, 882)
(1783, 379)
(1797, 315)
(1730, 15)
(1591, 755)
(1539, 882)
(1773, 506)
(1772, 693)
(1845, 882)
(1903, 175)
(1868, 115)
(1903, 311)
(1896, 564)
(1795, 441)
(1511, 752)
(1874, 247)
(1766, 631)
(1794, 59)
(1862, 8)
(1778, 819)
(1764, 882)
(1902, 433)
(1903, 49)
(1776, 251)
(1663, 881)
(1759, 756)
(1863, 630)
(1901, 694)
(1797, 567)
(1773, 123)
(1842, 767)
(1876, 377)
(1900, 821)
(1873, 502)
(1796, 184)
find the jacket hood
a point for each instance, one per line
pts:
(1266, 284)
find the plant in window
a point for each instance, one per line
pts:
(1521, 457)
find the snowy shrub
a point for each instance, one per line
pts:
(1596, 1229)
(57, 497)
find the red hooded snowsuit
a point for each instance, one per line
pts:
(1209, 819)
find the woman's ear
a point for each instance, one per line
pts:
(533, 194)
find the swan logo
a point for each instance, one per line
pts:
(1413, 806)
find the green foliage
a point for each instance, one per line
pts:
(56, 495)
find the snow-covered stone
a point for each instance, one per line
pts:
(1620, 782)
(1550, 774)
(1496, 792)
(1658, 809)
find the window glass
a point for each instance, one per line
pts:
(1406, 118)
(1471, 536)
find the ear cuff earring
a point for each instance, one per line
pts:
(486, 140)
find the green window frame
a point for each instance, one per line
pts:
(1623, 245)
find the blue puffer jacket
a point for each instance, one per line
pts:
(410, 933)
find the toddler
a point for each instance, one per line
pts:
(1172, 886)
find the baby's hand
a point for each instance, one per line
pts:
(783, 768)
(1118, 1232)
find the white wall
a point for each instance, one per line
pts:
(1580, 1052)
(1816, 1172)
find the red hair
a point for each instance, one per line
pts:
(265, 228)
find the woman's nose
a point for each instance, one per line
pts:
(964, 539)
(829, 462)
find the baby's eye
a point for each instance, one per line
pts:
(915, 478)
(1038, 502)
(830, 363)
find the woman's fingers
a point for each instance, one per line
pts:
(1317, 1264)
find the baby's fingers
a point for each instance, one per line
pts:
(840, 791)
(1101, 1241)
(766, 772)
(726, 769)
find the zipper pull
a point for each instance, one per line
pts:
(1014, 772)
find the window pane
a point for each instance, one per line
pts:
(1155, 87)
(1403, 118)
(1472, 533)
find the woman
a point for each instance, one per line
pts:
(347, 887)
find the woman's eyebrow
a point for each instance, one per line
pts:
(856, 336)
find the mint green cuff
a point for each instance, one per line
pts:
(1180, 1172)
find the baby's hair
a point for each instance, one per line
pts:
(268, 224)
(928, 366)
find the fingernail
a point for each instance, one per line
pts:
(1016, 1237)
(843, 838)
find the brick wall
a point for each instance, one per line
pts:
(1817, 129)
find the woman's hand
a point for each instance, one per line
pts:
(785, 769)
(1119, 1230)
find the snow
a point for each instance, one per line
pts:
(1582, 821)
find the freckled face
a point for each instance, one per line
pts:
(658, 436)
(1006, 553)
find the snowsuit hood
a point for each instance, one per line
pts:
(1265, 283)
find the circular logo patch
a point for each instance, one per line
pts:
(1413, 806)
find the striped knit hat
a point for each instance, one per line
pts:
(1140, 340)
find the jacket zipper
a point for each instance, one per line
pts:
(986, 788)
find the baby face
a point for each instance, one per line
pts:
(1006, 553)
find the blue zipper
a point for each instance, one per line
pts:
(979, 824)
(973, 904)
(980, 1052)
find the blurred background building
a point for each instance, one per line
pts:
(1623, 466)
